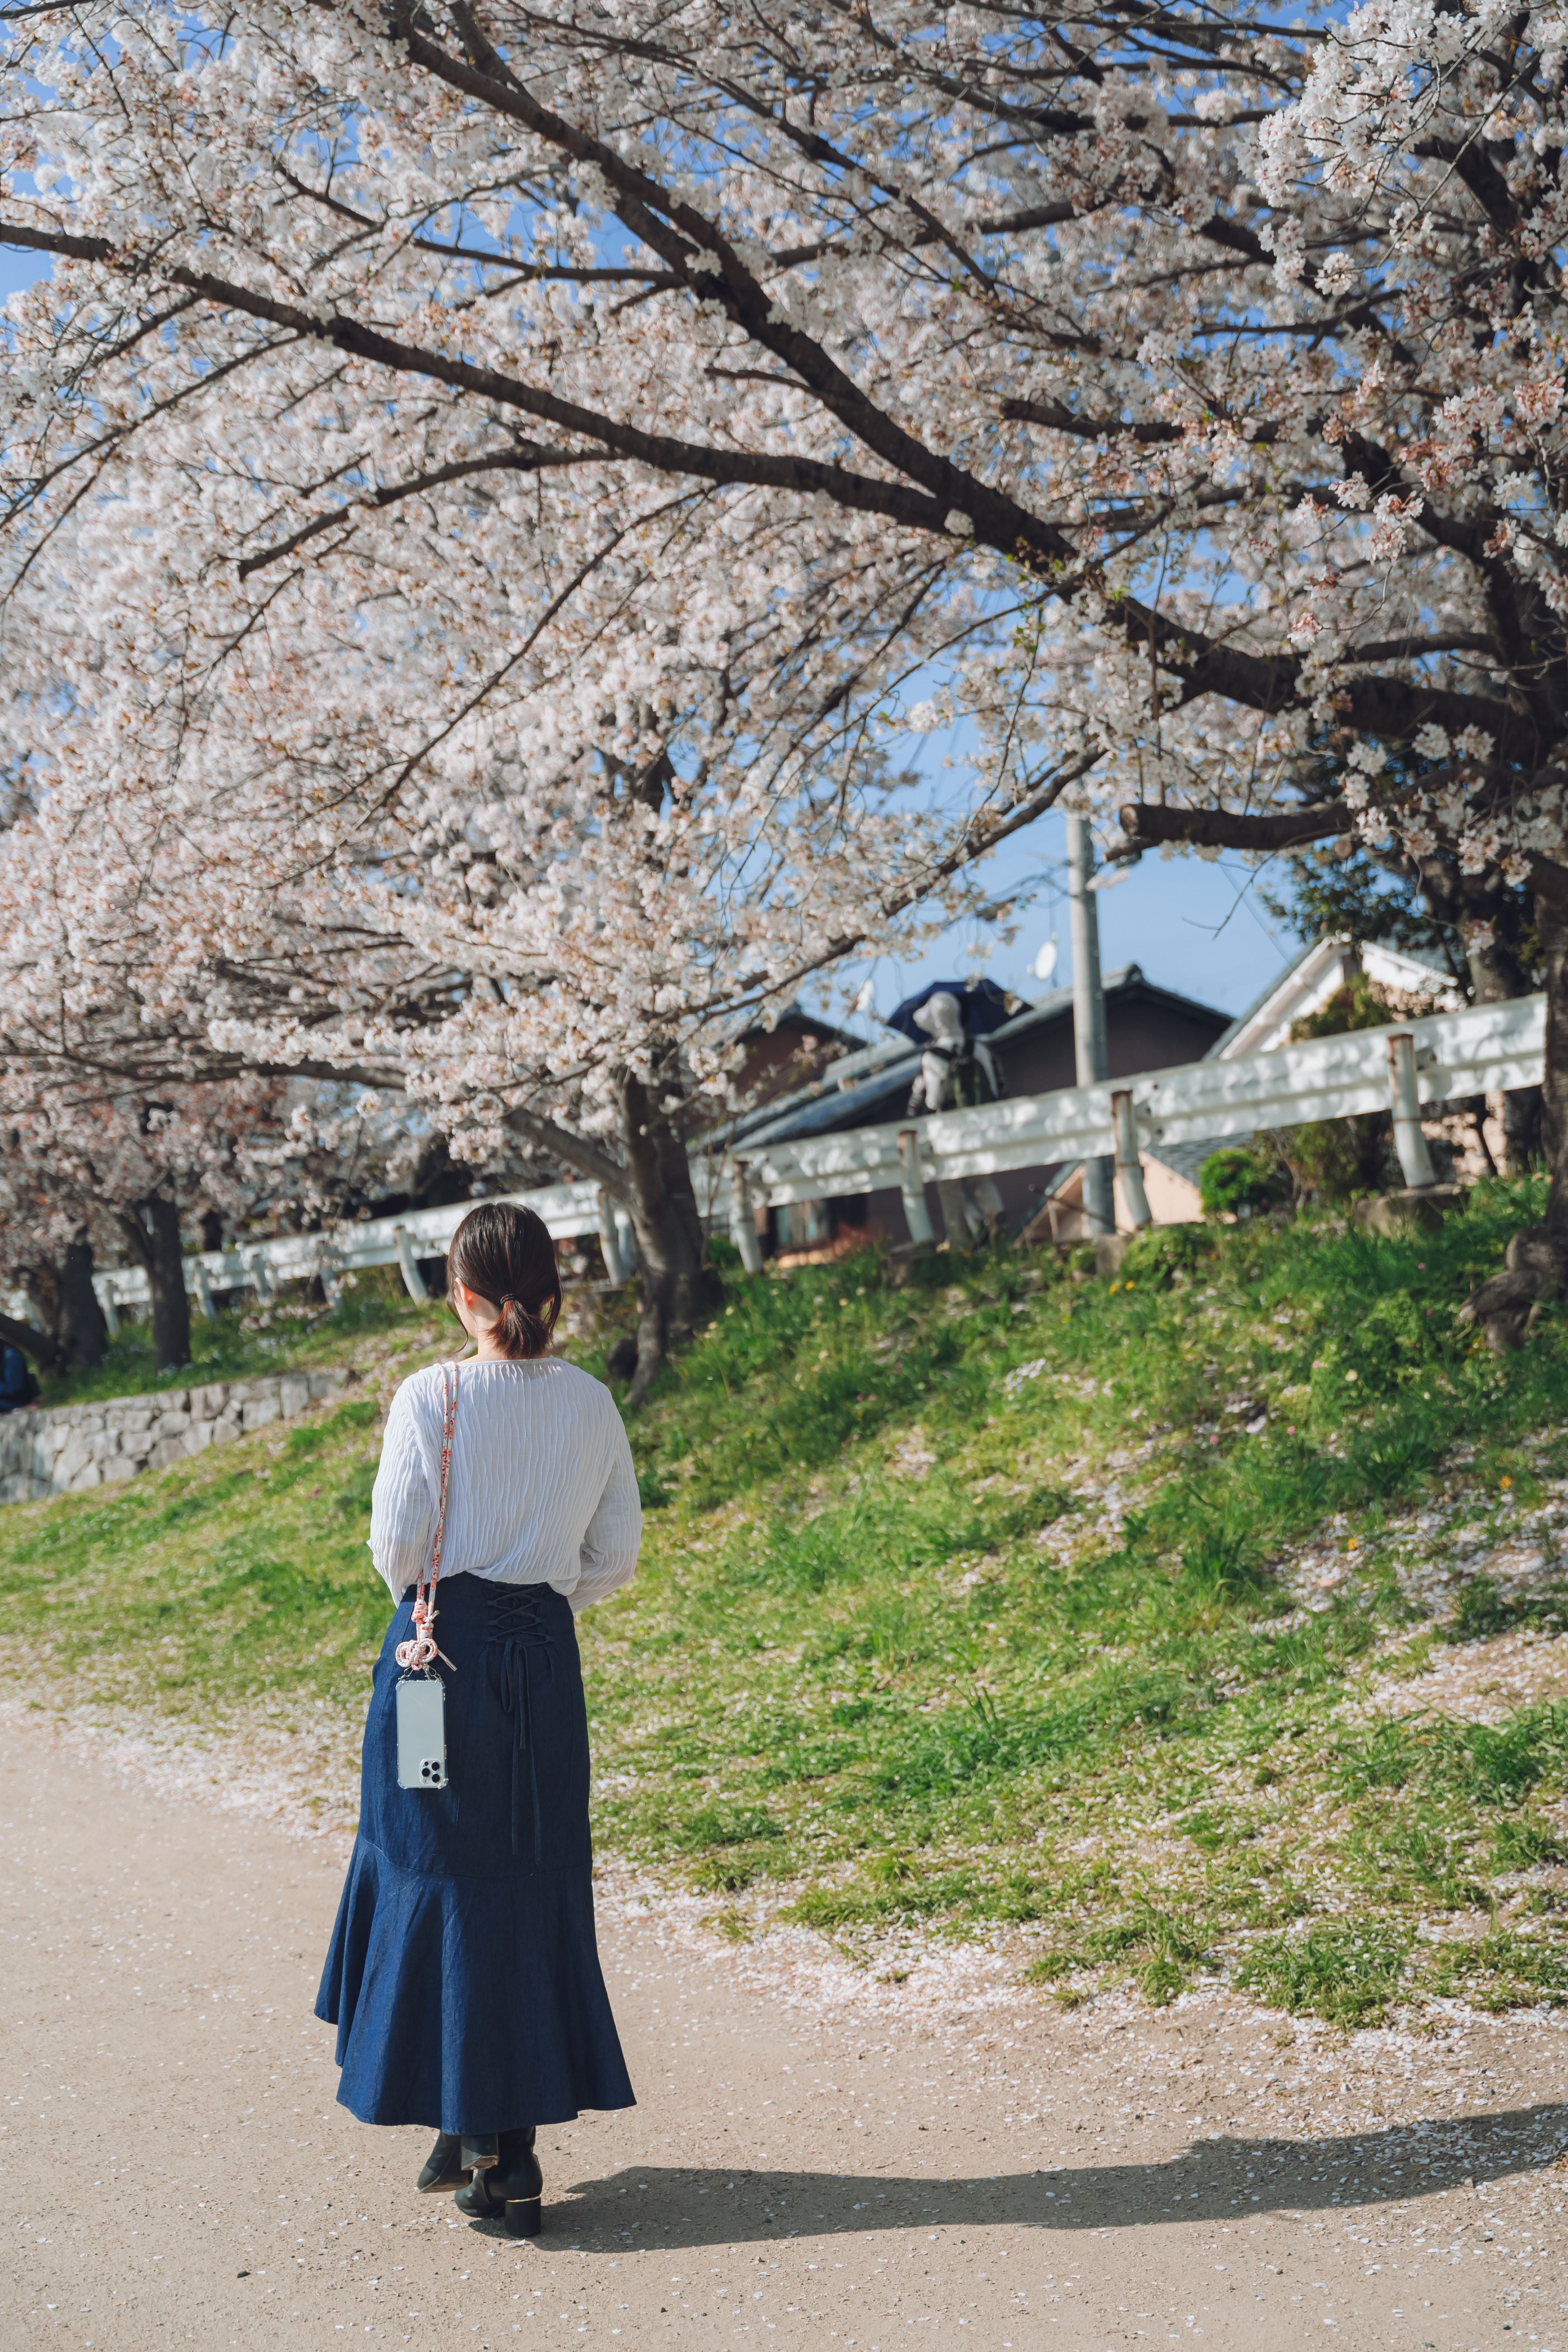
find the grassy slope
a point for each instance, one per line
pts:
(974, 1602)
(244, 1346)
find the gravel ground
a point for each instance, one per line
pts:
(819, 2158)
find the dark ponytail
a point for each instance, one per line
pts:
(504, 1254)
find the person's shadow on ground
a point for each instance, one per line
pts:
(1217, 2180)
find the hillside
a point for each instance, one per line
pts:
(286, 1335)
(1205, 1622)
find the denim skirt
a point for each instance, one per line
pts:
(463, 1976)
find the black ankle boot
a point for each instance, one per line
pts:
(513, 2185)
(442, 2170)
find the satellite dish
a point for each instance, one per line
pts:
(1045, 962)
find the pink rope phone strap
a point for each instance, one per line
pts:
(418, 1656)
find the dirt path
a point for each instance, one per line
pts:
(890, 2170)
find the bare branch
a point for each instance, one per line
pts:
(1222, 829)
(574, 1149)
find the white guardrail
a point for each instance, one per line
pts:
(1405, 1068)
(568, 1210)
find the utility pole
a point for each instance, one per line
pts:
(1088, 1012)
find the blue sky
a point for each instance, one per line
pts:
(1194, 926)
(17, 270)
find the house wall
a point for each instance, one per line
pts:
(1141, 1033)
(777, 1060)
(1174, 1199)
(1144, 1032)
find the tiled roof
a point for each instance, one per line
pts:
(880, 1075)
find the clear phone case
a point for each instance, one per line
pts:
(422, 1732)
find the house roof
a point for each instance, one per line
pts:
(853, 1091)
(1225, 1044)
(1186, 1158)
(794, 1015)
(1305, 984)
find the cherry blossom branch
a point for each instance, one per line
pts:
(531, 458)
(574, 1149)
(1206, 664)
(661, 452)
(32, 1341)
(1146, 827)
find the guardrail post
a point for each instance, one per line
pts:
(1129, 1168)
(413, 1280)
(616, 1264)
(626, 1234)
(261, 1277)
(111, 1307)
(742, 1225)
(330, 1270)
(1408, 1141)
(204, 1291)
(911, 1184)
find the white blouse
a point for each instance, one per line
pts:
(542, 1488)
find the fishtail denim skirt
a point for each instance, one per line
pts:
(464, 1975)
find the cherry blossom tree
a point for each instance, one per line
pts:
(555, 970)
(481, 486)
(46, 1251)
(127, 1171)
(116, 1138)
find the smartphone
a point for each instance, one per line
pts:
(422, 1732)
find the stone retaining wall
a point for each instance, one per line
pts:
(64, 1448)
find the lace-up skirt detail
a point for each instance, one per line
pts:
(463, 1976)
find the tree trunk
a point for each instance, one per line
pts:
(66, 1304)
(1535, 1270)
(1554, 928)
(675, 1284)
(152, 1230)
(83, 1332)
(1498, 975)
(166, 1276)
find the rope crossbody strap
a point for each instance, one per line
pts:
(418, 1656)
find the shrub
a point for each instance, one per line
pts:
(1160, 1253)
(1335, 1158)
(1240, 1181)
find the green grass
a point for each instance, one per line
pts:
(1348, 1971)
(288, 1333)
(962, 1610)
